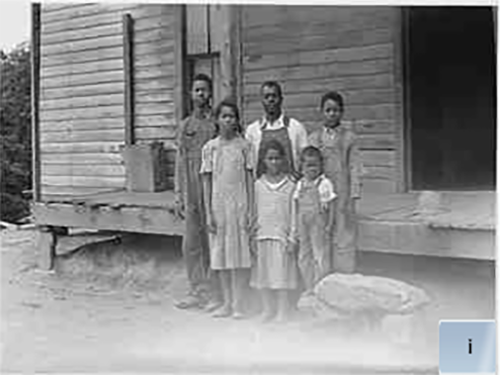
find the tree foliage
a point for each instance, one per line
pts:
(15, 125)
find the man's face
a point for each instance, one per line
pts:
(200, 93)
(271, 100)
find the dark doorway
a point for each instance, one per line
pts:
(451, 61)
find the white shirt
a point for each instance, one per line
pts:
(324, 186)
(296, 131)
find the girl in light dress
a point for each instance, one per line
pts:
(227, 173)
(274, 273)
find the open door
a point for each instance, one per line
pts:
(207, 31)
(451, 59)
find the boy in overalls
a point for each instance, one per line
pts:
(193, 132)
(342, 165)
(313, 218)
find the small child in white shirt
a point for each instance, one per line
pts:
(313, 218)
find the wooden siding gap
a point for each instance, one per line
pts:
(104, 65)
(308, 43)
(57, 12)
(85, 101)
(77, 35)
(155, 34)
(50, 7)
(158, 83)
(82, 124)
(265, 15)
(83, 136)
(93, 170)
(84, 45)
(128, 62)
(35, 93)
(155, 109)
(157, 62)
(83, 80)
(82, 57)
(84, 147)
(83, 159)
(333, 55)
(154, 21)
(362, 81)
(165, 119)
(83, 113)
(86, 181)
(81, 19)
(320, 71)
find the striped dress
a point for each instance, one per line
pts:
(228, 161)
(274, 267)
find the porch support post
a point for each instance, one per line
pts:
(180, 61)
(46, 247)
(230, 52)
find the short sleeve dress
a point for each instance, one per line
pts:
(275, 268)
(228, 161)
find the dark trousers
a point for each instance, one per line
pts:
(196, 253)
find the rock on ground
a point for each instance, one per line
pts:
(352, 294)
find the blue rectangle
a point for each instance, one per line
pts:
(467, 347)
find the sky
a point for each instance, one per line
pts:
(14, 23)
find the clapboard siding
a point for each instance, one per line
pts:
(84, 181)
(73, 136)
(83, 159)
(58, 193)
(82, 126)
(288, 18)
(79, 91)
(368, 81)
(313, 49)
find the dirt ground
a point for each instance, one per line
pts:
(111, 310)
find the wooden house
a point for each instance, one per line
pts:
(419, 84)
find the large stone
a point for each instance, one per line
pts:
(358, 294)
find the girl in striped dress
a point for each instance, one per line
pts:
(227, 171)
(274, 272)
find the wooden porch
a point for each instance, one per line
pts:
(463, 226)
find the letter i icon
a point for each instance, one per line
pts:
(470, 346)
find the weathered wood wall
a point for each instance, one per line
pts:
(82, 91)
(311, 50)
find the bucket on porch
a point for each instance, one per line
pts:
(146, 167)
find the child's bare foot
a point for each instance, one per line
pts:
(223, 312)
(238, 315)
(212, 306)
(265, 317)
(282, 318)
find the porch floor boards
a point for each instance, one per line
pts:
(460, 210)
(121, 198)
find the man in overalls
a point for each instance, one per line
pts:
(192, 134)
(286, 130)
(277, 125)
